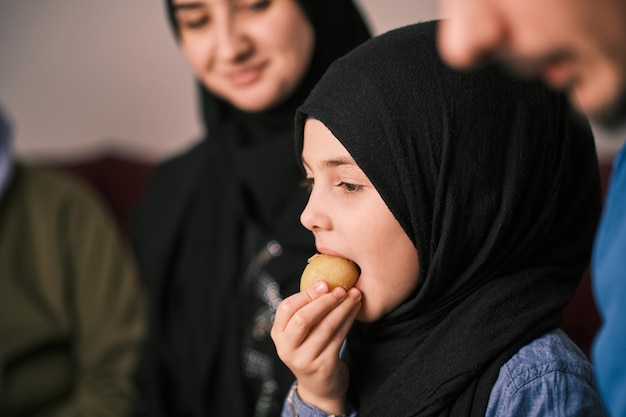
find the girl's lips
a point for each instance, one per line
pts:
(327, 251)
(247, 76)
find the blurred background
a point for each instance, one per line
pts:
(81, 78)
(100, 88)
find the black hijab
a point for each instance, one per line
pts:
(208, 213)
(495, 182)
(259, 145)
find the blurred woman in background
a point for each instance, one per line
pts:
(218, 237)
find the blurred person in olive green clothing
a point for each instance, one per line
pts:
(71, 309)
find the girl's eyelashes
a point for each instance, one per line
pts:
(349, 188)
(346, 187)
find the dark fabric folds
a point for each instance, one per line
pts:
(207, 214)
(495, 180)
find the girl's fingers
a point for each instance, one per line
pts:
(329, 334)
(311, 340)
(292, 304)
(310, 315)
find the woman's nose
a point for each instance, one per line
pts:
(232, 42)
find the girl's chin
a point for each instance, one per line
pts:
(366, 317)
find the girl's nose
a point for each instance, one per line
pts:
(313, 217)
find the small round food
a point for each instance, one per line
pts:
(336, 271)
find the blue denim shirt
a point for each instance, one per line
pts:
(609, 288)
(548, 377)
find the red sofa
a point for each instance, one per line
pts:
(119, 180)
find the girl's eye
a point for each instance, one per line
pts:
(307, 183)
(349, 188)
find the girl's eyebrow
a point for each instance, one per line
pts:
(338, 161)
(333, 162)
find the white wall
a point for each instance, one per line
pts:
(83, 76)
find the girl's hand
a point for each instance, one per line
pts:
(308, 331)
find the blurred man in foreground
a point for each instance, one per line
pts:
(578, 46)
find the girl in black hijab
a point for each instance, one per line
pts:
(469, 201)
(217, 237)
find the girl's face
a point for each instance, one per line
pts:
(251, 53)
(350, 219)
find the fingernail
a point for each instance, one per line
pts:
(354, 294)
(320, 287)
(339, 292)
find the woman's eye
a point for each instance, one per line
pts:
(192, 19)
(349, 188)
(196, 23)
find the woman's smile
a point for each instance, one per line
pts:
(246, 76)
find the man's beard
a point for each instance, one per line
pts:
(612, 117)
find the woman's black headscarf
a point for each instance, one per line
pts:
(260, 144)
(207, 214)
(495, 182)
